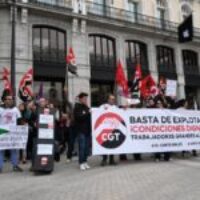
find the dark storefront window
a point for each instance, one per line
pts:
(190, 62)
(49, 45)
(103, 65)
(165, 59)
(102, 51)
(136, 53)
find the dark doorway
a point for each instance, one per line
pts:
(99, 92)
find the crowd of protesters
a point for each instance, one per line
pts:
(73, 124)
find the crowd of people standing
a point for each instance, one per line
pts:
(72, 124)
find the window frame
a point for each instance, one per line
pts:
(40, 57)
(136, 45)
(165, 58)
(106, 42)
(190, 61)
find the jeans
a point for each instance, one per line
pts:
(71, 141)
(14, 157)
(84, 147)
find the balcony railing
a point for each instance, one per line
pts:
(128, 16)
(51, 3)
(105, 11)
(61, 5)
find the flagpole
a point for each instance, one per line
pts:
(67, 81)
(13, 45)
(66, 85)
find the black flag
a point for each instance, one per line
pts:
(185, 30)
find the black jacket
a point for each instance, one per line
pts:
(82, 118)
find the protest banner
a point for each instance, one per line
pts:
(171, 88)
(44, 144)
(13, 137)
(118, 131)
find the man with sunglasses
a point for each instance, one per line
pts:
(9, 115)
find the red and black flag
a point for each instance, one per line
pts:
(149, 87)
(71, 61)
(25, 86)
(136, 84)
(185, 30)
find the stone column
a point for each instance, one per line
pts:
(80, 45)
(152, 59)
(180, 73)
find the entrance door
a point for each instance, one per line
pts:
(100, 92)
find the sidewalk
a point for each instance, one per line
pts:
(145, 180)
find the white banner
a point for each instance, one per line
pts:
(118, 131)
(171, 88)
(13, 137)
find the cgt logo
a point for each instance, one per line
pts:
(110, 128)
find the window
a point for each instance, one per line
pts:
(165, 59)
(36, 43)
(162, 12)
(132, 6)
(99, 7)
(53, 41)
(190, 61)
(102, 51)
(49, 44)
(161, 4)
(133, 10)
(136, 52)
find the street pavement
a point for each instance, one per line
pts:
(178, 179)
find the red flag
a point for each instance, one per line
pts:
(6, 80)
(70, 58)
(121, 81)
(25, 86)
(71, 61)
(148, 87)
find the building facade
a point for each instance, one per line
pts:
(101, 32)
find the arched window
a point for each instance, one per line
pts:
(165, 59)
(49, 51)
(102, 51)
(136, 53)
(49, 44)
(103, 67)
(190, 62)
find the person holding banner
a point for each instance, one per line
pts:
(185, 104)
(82, 119)
(110, 104)
(9, 115)
(161, 105)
